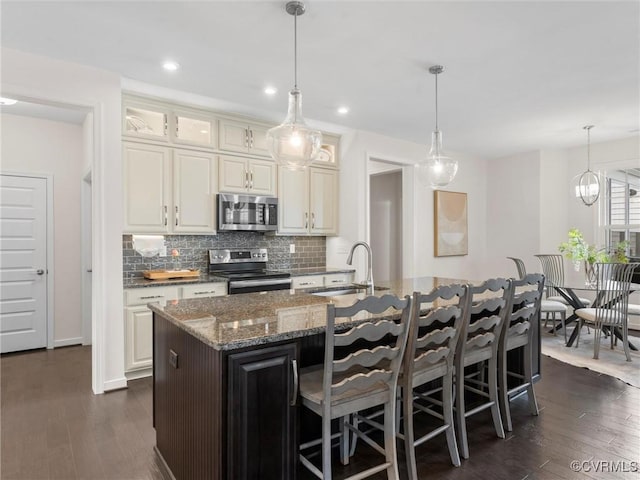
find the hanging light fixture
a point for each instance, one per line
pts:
(293, 144)
(438, 170)
(588, 184)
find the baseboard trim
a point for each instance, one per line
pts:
(66, 342)
(164, 468)
(135, 374)
(115, 384)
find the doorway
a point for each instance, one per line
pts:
(385, 222)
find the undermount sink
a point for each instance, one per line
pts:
(356, 288)
(335, 293)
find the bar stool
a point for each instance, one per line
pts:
(433, 337)
(478, 344)
(343, 386)
(524, 308)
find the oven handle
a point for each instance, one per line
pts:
(261, 282)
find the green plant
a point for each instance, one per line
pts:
(577, 249)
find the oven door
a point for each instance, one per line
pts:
(259, 285)
(247, 212)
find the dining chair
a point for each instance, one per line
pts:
(431, 346)
(547, 307)
(523, 311)
(479, 344)
(345, 383)
(612, 300)
(553, 269)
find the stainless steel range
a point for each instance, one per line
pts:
(246, 270)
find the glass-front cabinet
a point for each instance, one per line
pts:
(192, 128)
(146, 121)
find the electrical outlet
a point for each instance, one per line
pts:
(292, 248)
(163, 252)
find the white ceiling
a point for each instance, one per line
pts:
(519, 76)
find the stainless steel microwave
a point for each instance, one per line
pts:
(247, 212)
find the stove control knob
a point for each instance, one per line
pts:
(255, 255)
(264, 255)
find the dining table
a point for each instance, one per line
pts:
(568, 292)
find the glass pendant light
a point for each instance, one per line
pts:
(588, 184)
(293, 144)
(438, 170)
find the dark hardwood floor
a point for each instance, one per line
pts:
(53, 427)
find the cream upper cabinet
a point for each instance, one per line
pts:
(308, 201)
(195, 183)
(168, 190)
(243, 175)
(323, 201)
(242, 137)
(328, 156)
(194, 129)
(147, 188)
(293, 201)
(145, 121)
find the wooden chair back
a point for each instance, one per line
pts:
(485, 321)
(524, 309)
(385, 357)
(434, 333)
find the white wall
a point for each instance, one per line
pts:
(45, 80)
(37, 146)
(542, 207)
(513, 199)
(357, 148)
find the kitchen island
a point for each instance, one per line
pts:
(225, 372)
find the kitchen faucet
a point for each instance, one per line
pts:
(369, 281)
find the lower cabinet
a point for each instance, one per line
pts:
(138, 330)
(262, 413)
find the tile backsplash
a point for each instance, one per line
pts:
(310, 251)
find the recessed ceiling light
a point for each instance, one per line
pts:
(170, 66)
(7, 101)
(343, 110)
(270, 90)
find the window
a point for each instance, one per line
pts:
(622, 218)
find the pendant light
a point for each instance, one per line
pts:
(438, 170)
(293, 144)
(588, 186)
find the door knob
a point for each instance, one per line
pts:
(40, 272)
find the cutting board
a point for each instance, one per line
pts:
(166, 274)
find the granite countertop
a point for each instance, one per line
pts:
(300, 272)
(140, 282)
(245, 320)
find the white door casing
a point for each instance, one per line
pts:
(23, 263)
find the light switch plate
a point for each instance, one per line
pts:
(292, 248)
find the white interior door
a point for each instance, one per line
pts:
(23, 263)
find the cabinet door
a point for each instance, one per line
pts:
(262, 177)
(293, 201)
(323, 209)
(233, 175)
(138, 338)
(258, 140)
(147, 188)
(261, 414)
(145, 121)
(233, 136)
(194, 129)
(195, 182)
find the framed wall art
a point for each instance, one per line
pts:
(450, 223)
